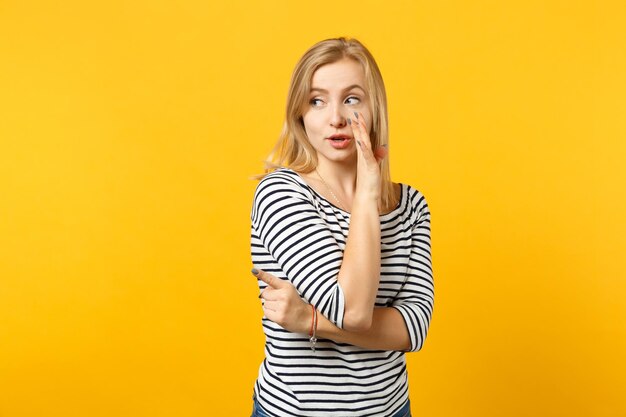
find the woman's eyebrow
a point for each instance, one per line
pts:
(321, 90)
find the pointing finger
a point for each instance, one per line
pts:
(355, 129)
(362, 128)
(267, 278)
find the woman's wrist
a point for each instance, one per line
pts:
(305, 319)
(366, 199)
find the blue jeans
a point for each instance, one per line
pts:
(257, 411)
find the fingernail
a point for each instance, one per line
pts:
(349, 121)
(356, 115)
(255, 271)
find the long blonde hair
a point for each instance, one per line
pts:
(293, 149)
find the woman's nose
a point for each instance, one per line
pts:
(337, 118)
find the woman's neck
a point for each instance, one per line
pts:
(341, 178)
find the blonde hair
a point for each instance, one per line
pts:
(293, 149)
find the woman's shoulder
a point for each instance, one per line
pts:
(412, 191)
(285, 176)
(283, 180)
(415, 199)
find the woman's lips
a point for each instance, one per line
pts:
(339, 143)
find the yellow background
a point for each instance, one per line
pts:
(129, 130)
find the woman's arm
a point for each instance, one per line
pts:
(360, 269)
(387, 332)
(283, 305)
(403, 326)
(415, 300)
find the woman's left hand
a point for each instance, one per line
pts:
(283, 305)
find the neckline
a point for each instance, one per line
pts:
(330, 203)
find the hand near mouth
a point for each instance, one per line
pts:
(368, 161)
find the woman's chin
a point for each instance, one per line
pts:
(346, 157)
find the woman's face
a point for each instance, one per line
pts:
(337, 91)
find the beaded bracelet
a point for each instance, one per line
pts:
(313, 330)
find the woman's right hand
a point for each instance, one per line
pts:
(368, 184)
(282, 303)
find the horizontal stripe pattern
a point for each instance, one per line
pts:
(299, 236)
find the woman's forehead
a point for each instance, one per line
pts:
(340, 75)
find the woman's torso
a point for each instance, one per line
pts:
(337, 379)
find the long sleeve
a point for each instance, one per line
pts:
(416, 297)
(287, 227)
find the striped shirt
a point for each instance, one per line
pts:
(299, 236)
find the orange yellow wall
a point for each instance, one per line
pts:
(128, 132)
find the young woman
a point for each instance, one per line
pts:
(341, 253)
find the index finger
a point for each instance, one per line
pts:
(267, 278)
(362, 128)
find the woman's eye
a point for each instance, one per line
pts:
(355, 100)
(314, 101)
